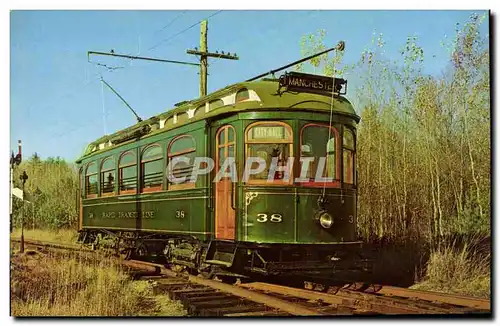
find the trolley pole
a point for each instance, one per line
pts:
(204, 54)
(126, 56)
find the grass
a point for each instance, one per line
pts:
(455, 270)
(68, 236)
(50, 285)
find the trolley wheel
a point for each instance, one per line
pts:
(95, 243)
(141, 251)
(122, 250)
(227, 279)
(125, 254)
(207, 273)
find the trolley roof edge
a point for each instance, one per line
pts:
(261, 95)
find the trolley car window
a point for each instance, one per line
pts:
(349, 149)
(242, 95)
(318, 141)
(269, 140)
(230, 135)
(152, 169)
(108, 176)
(91, 180)
(127, 173)
(216, 104)
(183, 146)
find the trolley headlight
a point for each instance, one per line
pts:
(325, 220)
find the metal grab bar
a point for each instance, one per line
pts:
(233, 184)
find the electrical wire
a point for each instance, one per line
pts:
(238, 40)
(172, 21)
(330, 122)
(167, 39)
(109, 69)
(235, 41)
(183, 31)
(103, 106)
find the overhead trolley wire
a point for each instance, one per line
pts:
(172, 21)
(238, 40)
(162, 42)
(183, 31)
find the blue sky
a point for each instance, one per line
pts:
(57, 99)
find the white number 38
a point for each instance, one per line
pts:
(275, 218)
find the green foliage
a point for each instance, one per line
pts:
(423, 151)
(51, 193)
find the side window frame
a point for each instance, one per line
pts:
(239, 93)
(120, 173)
(353, 158)
(87, 176)
(186, 184)
(156, 188)
(102, 177)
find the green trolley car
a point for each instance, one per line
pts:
(272, 222)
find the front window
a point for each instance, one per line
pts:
(349, 151)
(319, 142)
(268, 140)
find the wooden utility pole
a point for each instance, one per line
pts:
(203, 58)
(133, 57)
(204, 54)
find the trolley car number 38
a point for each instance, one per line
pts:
(275, 218)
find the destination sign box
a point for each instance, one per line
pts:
(299, 82)
(268, 133)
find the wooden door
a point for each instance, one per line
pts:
(224, 189)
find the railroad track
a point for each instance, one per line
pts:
(205, 297)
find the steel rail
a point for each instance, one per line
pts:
(458, 300)
(338, 300)
(50, 244)
(291, 308)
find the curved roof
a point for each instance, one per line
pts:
(260, 95)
